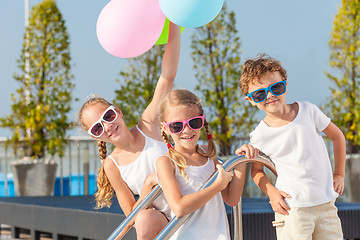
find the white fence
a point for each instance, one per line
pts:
(81, 161)
(77, 170)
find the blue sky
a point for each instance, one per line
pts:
(295, 32)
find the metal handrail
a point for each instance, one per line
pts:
(128, 222)
(175, 223)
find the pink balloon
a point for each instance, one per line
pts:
(129, 28)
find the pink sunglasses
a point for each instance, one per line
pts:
(193, 123)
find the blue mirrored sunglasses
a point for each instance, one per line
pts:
(260, 95)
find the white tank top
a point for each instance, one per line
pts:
(208, 222)
(135, 173)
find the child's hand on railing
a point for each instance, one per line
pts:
(223, 177)
(247, 150)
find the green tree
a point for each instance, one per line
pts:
(137, 84)
(216, 56)
(40, 105)
(344, 102)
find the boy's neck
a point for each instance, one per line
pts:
(282, 117)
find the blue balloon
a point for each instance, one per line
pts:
(191, 13)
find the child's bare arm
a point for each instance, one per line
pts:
(149, 122)
(184, 204)
(275, 195)
(339, 146)
(232, 193)
(124, 195)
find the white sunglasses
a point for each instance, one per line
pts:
(109, 116)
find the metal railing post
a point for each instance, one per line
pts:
(6, 167)
(237, 221)
(70, 168)
(95, 162)
(61, 177)
(86, 169)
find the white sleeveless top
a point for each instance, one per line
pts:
(208, 222)
(135, 173)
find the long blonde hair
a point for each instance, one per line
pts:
(105, 191)
(183, 97)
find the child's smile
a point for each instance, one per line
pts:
(271, 102)
(188, 138)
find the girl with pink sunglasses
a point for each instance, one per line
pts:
(130, 167)
(187, 165)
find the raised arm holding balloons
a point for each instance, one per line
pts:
(128, 29)
(129, 168)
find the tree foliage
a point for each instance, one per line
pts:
(344, 102)
(137, 84)
(40, 105)
(216, 56)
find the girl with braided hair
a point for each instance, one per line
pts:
(130, 167)
(186, 166)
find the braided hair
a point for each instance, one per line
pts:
(105, 191)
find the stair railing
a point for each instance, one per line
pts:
(128, 222)
(228, 165)
(175, 223)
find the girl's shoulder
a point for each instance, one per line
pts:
(165, 163)
(165, 159)
(110, 166)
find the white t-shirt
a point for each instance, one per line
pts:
(300, 156)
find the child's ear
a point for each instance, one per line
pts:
(250, 100)
(119, 111)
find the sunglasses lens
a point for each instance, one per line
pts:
(176, 127)
(196, 123)
(97, 130)
(259, 96)
(110, 116)
(278, 88)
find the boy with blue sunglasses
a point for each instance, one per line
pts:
(306, 188)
